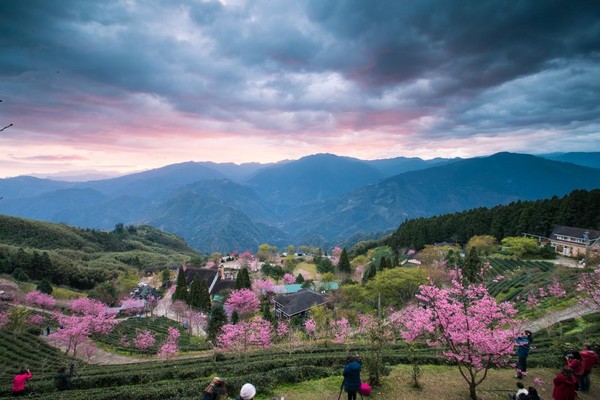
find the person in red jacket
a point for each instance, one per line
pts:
(575, 362)
(18, 388)
(564, 385)
(590, 358)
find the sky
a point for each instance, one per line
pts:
(127, 85)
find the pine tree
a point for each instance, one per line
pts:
(181, 290)
(20, 275)
(216, 319)
(195, 295)
(242, 281)
(369, 273)
(44, 286)
(205, 303)
(344, 263)
(472, 267)
(383, 264)
(300, 278)
(266, 311)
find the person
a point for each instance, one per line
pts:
(247, 392)
(532, 394)
(215, 390)
(564, 385)
(521, 392)
(47, 331)
(19, 380)
(590, 358)
(62, 380)
(351, 375)
(523, 346)
(575, 362)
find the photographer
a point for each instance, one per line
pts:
(352, 376)
(62, 380)
(575, 362)
(19, 380)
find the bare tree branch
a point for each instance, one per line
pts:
(7, 126)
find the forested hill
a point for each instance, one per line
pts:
(51, 236)
(84, 258)
(580, 208)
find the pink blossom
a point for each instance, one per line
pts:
(144, 340)
(168, 351)
(289, 279)
(499, 278)
(532, 302)
(589, 287)
(87, 306)
(245, 334)
(35, 319)
(341, 330)
(254, 265)
(8, 290)
(283, 329)
(556, 290)
(263, 287)
(132, 306)
(244, 301)
(474, 330)
(542, 293)
(38, 299)
(410, 252)
(539, 382)
(310, 326)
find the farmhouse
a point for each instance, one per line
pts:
(299, 303)
(572, 242)
(216, 280)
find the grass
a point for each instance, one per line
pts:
(439, 383)
(308, 270)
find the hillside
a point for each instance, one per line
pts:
(83, 258)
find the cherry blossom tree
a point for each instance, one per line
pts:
(243, 301)
(340, 329)
(556, 290)
(263, 287)
(169, 348)
(8, 290)
(180, 309)
(377, 330)
(289, 279)
(90, 317)
(36, 298)
(132, 306)
(144, 340)
(473, 330)
(35, 319)
(310, 326)
(589, 287)
(245, 334)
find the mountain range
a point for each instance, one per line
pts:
(319, 200)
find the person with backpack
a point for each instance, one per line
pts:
(523, 346)
(351, 373)
(216, 390)
(521, 392)
(18, 388)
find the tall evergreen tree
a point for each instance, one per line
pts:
(242, 281)
(195, 294)
(344, 263)
(383, 264)
(266, 311)
(235, 317)
(181, 290)
(369, 273)
(205, 303)
(472, 267)
(300, 278)
(216, 319)
(44, 286)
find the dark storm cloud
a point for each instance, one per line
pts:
(469, 66)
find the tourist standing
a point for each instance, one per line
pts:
(590, 358)
(523, 343)
(575, 362)
(351, 374)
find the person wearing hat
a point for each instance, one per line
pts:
(247, 393)
(216, 390)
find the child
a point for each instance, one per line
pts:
(521, 392)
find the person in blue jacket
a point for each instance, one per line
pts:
(523, 345)
(352, 376)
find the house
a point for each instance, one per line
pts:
(217, 280)
(299, 303)
(573, 242)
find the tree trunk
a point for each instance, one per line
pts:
(472, 391)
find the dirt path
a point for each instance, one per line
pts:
(552, 317)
